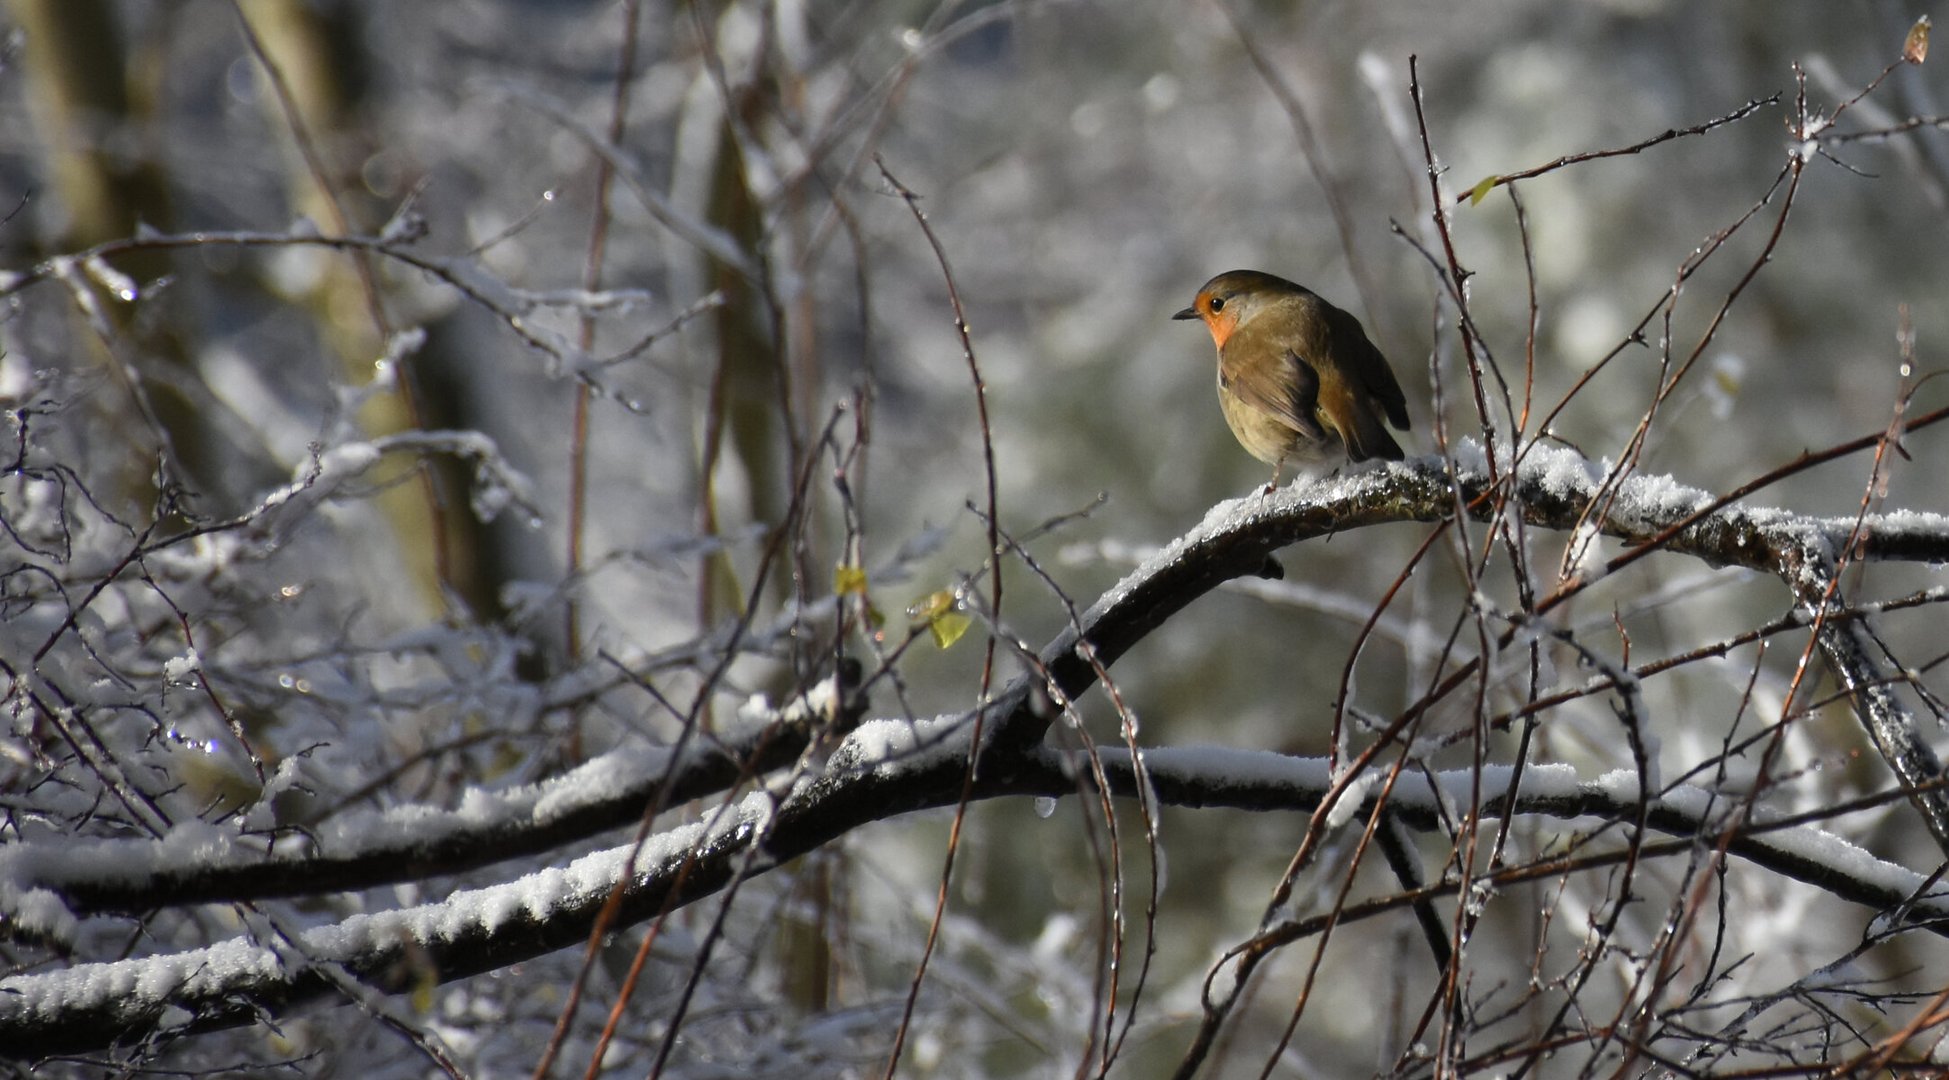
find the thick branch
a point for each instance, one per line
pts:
(888, 770)
(1236, 539)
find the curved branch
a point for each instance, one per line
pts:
(1236, 539)
(888, 769)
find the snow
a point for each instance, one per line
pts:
(1906, 521)
(1622, 785)
(27, 869)
(1222, 767)
(880, 745)
(179, 668)
(1561, 471)
(1585, 552)
(1351, 797)
(37, 912)
(736, 821)
(218, 968)
(884, 747)
(32, 874)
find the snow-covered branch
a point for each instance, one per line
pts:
(888, 768)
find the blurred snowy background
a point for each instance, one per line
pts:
(1085, 166)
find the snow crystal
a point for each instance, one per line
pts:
(179, 668)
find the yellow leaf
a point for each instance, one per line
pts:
(948, 628)
(941, 611)
(218, 780)
(1915, 47)
(423, 993)
(505, 758)
(931, 606)
(849, 580)
(1481, 191)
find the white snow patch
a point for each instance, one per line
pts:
(1350, 799)
(179, 668)
(888, 745)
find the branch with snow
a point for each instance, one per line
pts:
(885, 770)
(888, 769)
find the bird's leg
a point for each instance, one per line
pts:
(1272, 485)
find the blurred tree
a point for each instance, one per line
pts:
(1591, 739)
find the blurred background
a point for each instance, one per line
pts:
(1084, 167)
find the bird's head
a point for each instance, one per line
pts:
(1230, 298)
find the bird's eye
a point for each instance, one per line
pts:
(1217, 304)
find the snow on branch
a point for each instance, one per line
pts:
(197, 862)
(887, 769)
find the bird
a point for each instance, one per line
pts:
(1298, 381)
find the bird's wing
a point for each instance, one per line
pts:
(1377, 378)
(1291, 400)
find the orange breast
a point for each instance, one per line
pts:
(1221, 324)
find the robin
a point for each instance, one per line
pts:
(1298, 380)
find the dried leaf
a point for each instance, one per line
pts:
(1481, 191)
(1915, 47)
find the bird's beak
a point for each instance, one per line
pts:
(1187, 313)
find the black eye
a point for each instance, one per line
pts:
(1217, 304)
